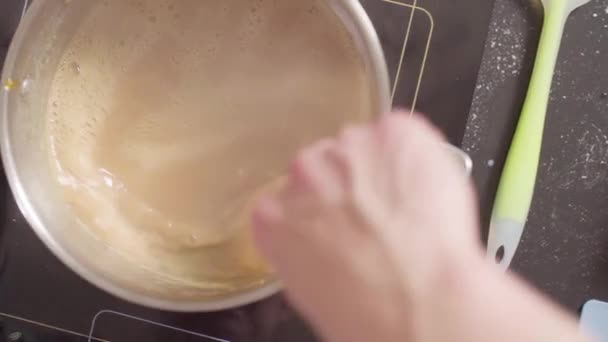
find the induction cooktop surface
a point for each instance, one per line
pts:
(433, 49)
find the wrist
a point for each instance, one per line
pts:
(450, 289)
(474, 301)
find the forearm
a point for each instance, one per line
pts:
(480, 303)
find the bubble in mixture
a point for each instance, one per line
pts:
(75, 68)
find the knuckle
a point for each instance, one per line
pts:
(423, 126)
(299, 165)
(350, 134)
(395, 120)
(322, 148)
(392, 129)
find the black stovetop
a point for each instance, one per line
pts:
(564, 250)
(44, 301)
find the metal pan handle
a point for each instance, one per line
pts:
(463, 158)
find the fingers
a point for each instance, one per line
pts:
(315, 174)
(266, 217)
(397, 158)
(309, 169)
(313, 183)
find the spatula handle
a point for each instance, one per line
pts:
(516, 186)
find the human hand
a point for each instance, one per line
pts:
(366, 225)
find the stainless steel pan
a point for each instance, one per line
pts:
(36, 48)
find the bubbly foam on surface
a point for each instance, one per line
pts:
(166, 118)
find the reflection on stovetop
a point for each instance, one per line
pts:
(13, 328)
(260, 323)
(440, 43)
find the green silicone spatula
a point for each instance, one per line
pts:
(516, 185)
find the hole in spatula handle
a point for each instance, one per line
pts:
(500, 254)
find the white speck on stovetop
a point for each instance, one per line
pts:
(505, 51)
